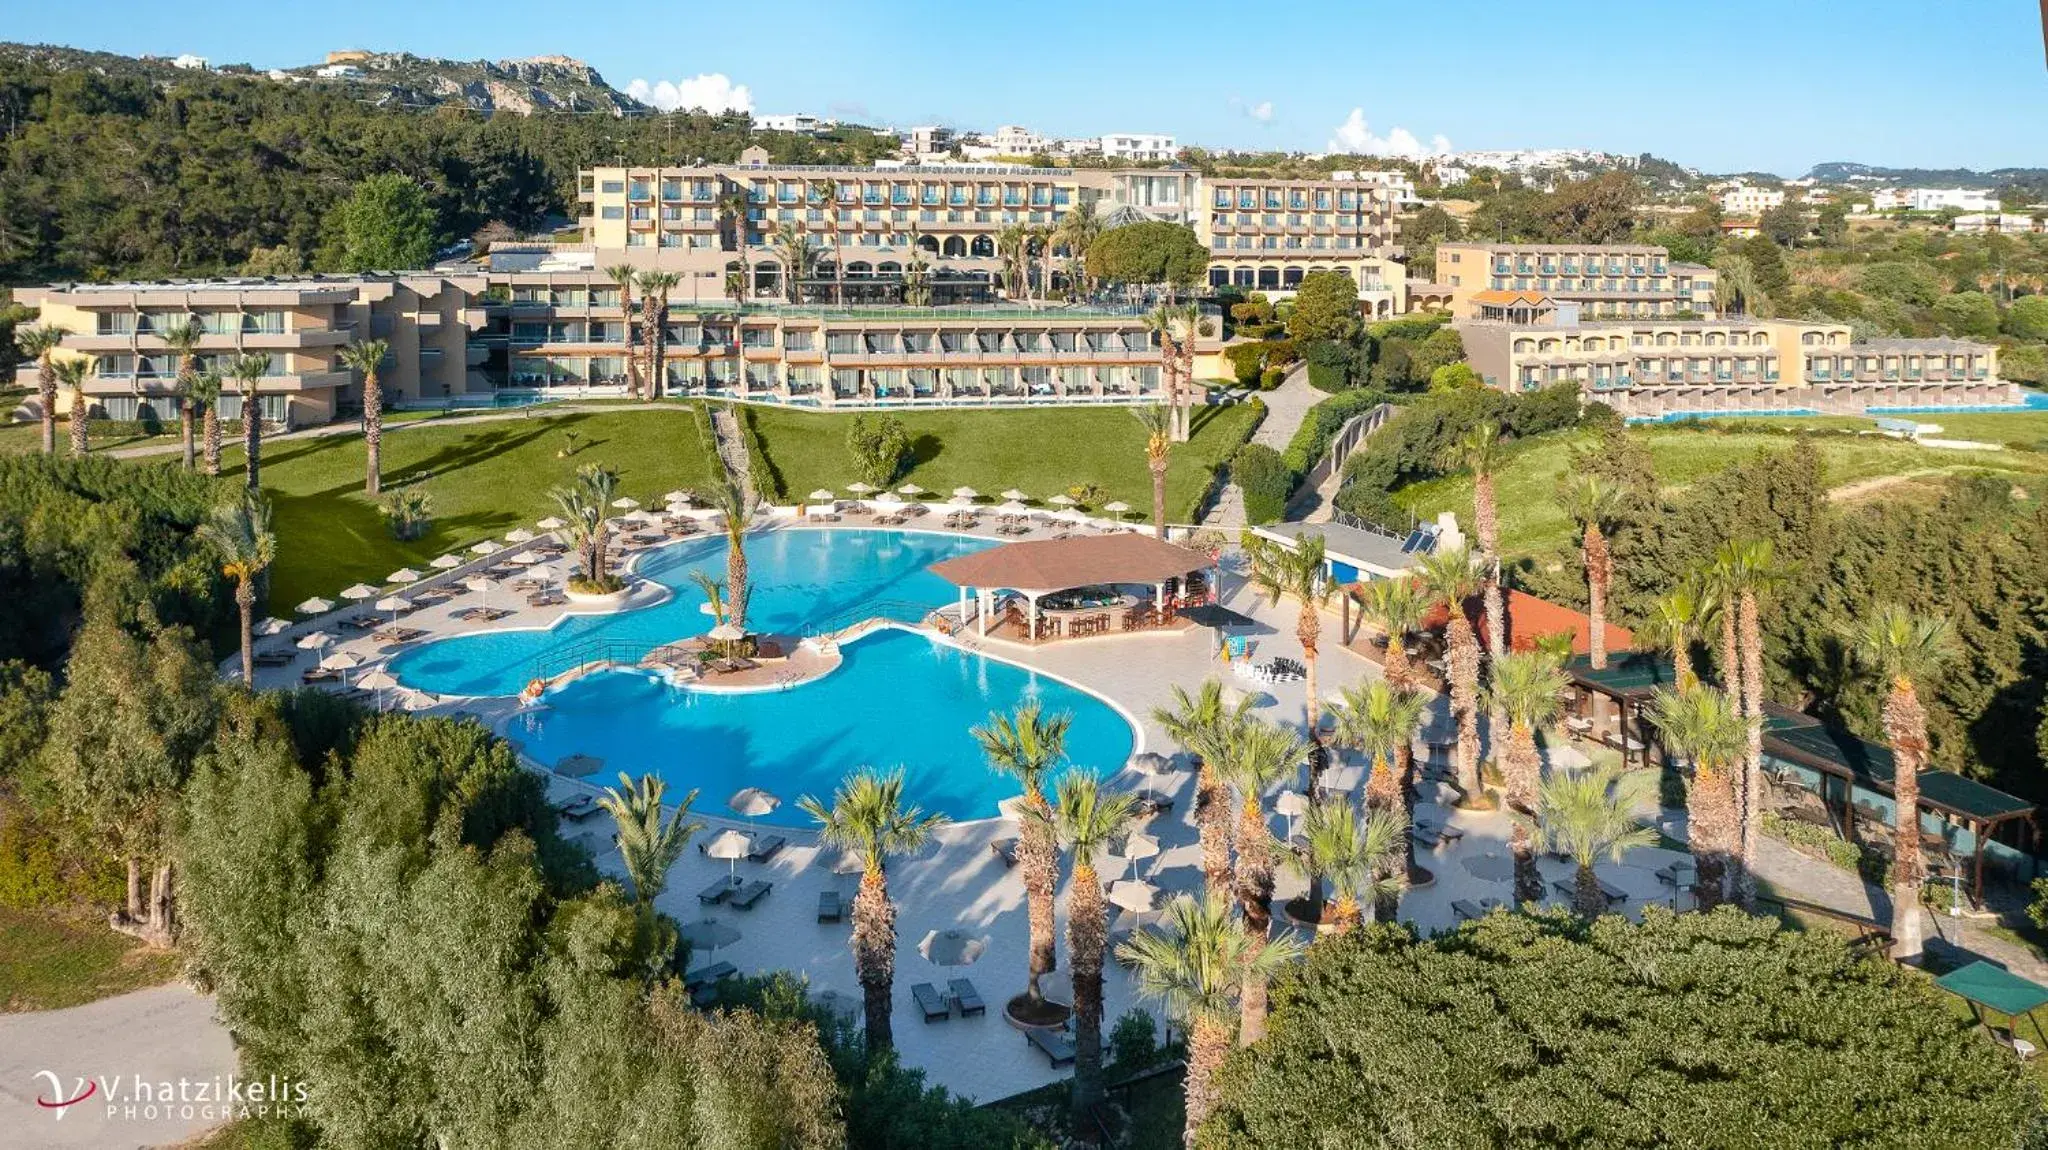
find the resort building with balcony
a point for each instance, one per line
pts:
(1606, 281)
(1265, 235)
(1654, 368)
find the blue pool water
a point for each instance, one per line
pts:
(896, 699)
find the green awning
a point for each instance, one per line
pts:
(1626, 673)
(1994, 987)
(1872, 765)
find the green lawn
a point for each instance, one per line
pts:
(484, 478)
(1533, 523)
(22, 438)
(2019, 427)
(1039, 452)
(52, 959)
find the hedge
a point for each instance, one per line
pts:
(1264, 480)
(1245, 361)
(1271, 378)
(768, 480)
(1218, 474)
(1321, 424)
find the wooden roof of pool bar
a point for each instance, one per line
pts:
(1040, 566)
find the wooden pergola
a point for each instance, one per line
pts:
(1038, 568)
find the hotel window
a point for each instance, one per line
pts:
(801, 340)
(871, 194)
(1221, 198)
(917, 342)
(841, 343)
(1247, 200)
(640, 190)
(933, 194)
(789, 192)
(988, 342)
(880, 343)
(671, 189)
(611, 212)
(636, 240)
(952, 341)
(757, 337)
(900, 194)
(849, 192)
(958, 196)
(614, 187)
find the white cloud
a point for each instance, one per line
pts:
(1355, 135)
(1261, 111)
(709, 91)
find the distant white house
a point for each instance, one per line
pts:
(1016, 140)
(1397, 182)
(802, 123)
(1139, 146)
(189, 62)
(2007, 223)
(1745, 200)
(338, 72)
(1959, 199)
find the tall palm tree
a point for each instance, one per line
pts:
(1196, 969)
(1526, 690)
(1026, 745)
(648, 846)
(654, 289)
(1360, 860)
(1257, 755)
(1380, 719)
(247, 370)
(1590, 816)
(205, 395)
(1078, 228)
(1908, 650)
(40, 343)
(1396, 607)
(826, 192)
(799, 258)
(1736, 291)
(1158, 424)
(1177, 327)
(1201, 722)
(1481, 452)
(367, 358)
(1447, 577)
(1040, 237)
(73, 373)
(868, 816)
(582, 520)
(735, 504)
(1704, 725)
(1011, 243)
(1592, 502)
(239, 534)
(1747, 570)
(1674, 622)
(734, 205)
(1087, 819)
(622, 276)
(1302, 572)
(917, 277)
(182, 339)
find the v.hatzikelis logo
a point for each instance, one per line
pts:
(61, 1100)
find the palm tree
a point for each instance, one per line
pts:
(1396, 608)
(1256, 755)
(734, 205)
(1592, 502)
(1380, 719)
(1010, 248)
(1040, 237)
(1674, 622)
(827, 193)
(73, 373)
(40, 343)
(1705, 726)
(1158, 424)
(1590, 816)
(917, 276)
(735, 504)
(714, 594)
(1300, 571)
(1177, 327)
(240, 536)
(868, 816)
(654, 289)
(1026, 745)
(1447, 577)
(648, 847)
(799, 258)
(1196, 968)
(1526, 688)
(1078, 228)
(246, 370)
(367, 358)
(1200, 723)
(1359, 860)
(1908, 651)
(1087, 819)
(622, 276)
(182, 339)
(1481, 452)
(205, 395)
(583, 506)
(1736, 291)
(1746, 570)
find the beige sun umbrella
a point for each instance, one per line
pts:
(731, 846)
(447, 562)
(1013, 508)
(626, 503)
(271, 625)
(1117, 507)
(952, 947)
(578, 766)
(314, 641)
(525, 558)
(552, 523)
(1064, 500)
(314, 606)
(379, 681)
(967, 493)
(519, 535)
(753, 802)
(910, 489)
(821, 495)
(1135, 895)
(889, 499)
(861, 488)
(359, 591)
(1139, 847)
(403, 575)
(678, 496)
(393, 604)
(482, 584)
(484, 548)
(1016, 495)
(341, 661)
(1293, 804)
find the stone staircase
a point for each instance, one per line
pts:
(732, 446)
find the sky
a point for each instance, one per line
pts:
(1734, 85)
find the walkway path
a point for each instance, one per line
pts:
(163, 1034)
(732, 446)
(1286, 409)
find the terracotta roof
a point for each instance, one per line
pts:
(1083, 561)
(1530, 618)
(1510, 298)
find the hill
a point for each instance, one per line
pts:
(1840, 171)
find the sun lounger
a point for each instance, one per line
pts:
(1425, 837)
(967, 998)
(764, 848)
(1443, 831)
(831, 908)
(390, 636)
(745, 897)
(275, 658)
(1466, 909)
(1151, 804)
(1051, 1043)
(1680, 875)
(929, 1001)
(718, 891)
(706, 975)
(319, 675)
(1568, 887)
(1006, 850)
(576, 807)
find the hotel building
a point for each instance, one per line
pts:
(1607, 281)
(1652, 368)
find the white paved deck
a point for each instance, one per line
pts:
(961, 884)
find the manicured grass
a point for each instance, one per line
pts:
(484, 479)
(2017, 427)
(23, 438)
(1038, 452)
(1532, 522)
(54, 959)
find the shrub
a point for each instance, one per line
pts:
(1321, 424)
(1134, 1042)
(1258, 330)
(1264, 480)
(1271, 378)
(408, 512)
(768, 481)
(879, 447)
(1245, 361)
(1454, 377)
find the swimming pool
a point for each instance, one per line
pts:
(897, 698)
